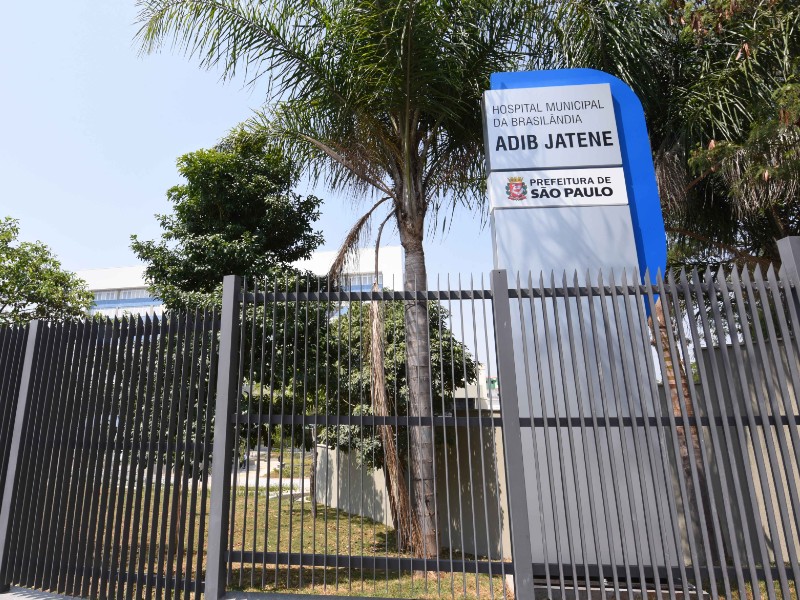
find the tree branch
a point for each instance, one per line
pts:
(335, 156)
(694, 182)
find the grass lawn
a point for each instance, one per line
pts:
(332, 533)
(280, 525)
(294, 467)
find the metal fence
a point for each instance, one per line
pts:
(329, 438)
(661, 433)
(110, 485)
(12, 350)
(643, 441)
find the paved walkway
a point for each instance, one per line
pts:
(31, 594)
(22, 593)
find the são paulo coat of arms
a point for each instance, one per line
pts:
(516, 189)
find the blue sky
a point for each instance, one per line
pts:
(91, 130)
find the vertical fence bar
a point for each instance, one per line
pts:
(561, 480)
(71, 472)
(597, 401)
(575, 356)
(13, 450)
(197, 443)
(237, 422)
(526, 360)
(146, 398)
(106, 453)
(10, 369)
(789, 250)
(729, 368)
(764, 467)
(212, 371)
(273, 350)
(49, 488)
(695, 450)
(95, 362)
(169, 350)
(512, 438)
(223, 435)
(632, 374)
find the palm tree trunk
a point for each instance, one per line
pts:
(405, 522)
(419, 395)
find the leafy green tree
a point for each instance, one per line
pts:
(236, 214)
(718, 82)
(334, 375)
(760, 176)
(740, 195)
(378, 97)
(33, 284)
(715, 78)
(350, 372)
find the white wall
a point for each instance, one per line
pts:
(114, 278)
(390, 263)
(463, 500)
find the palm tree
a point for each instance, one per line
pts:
(379, 97)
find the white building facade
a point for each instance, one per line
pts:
(360, 269)
(119, 291)
(123, 290)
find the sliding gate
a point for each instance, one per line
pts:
(643, 439)
(660, 433)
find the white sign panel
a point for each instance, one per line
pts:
(551, 127)
(561, 187)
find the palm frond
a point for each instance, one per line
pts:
(352, 241)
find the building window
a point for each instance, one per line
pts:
(360, 281)
(105, 295)
(131, 294)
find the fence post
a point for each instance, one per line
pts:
(13, 450)
(512, 438)
(227, 369)
(789, 249)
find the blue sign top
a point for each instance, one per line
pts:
(637, 159)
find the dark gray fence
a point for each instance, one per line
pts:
(111, 482)
(661, 433)
(12, 351)
(324, 494)
(643, 440)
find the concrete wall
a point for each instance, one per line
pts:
(470, 490)
(342, 483)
